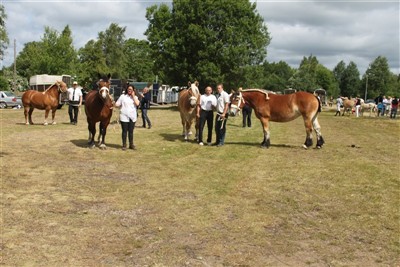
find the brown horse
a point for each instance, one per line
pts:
(281, 108)
(187, 103)
(47, 100)
(99, 108)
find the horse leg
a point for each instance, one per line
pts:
(30, 115)
(92, 133)
(266, 141)
(308, 126)
(103, 135)
(188, 125)
(53, 115)
(26, 110)
(317, 129)
(100, 132)
(46, 114)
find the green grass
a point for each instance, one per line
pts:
(174, 203)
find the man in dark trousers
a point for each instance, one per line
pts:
(144, 106)
(74, 101)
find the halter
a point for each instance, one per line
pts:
(58, 87)
(239, 102)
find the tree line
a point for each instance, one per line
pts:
(209, 41)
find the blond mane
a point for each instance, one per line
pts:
(266, 92)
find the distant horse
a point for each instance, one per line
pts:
(47, 100)
(187, 104)
(348, 105)
(368, 106)
(98, 108)
(281, 108)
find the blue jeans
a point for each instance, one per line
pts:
(220, 128)
(145, 118)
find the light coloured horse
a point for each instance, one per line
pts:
(368, 106)
(47, 100)
(281, 108)
(348, 105)
(187, 103)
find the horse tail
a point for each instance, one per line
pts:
(319, 104)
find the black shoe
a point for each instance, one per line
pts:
(143, 126)
(133, 147)
(149, 127)
(215, 144)
(124, 147)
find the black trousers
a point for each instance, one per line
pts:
(246, 111)
(127, 130)
(220, 128)
(206, 116)
(73, 113)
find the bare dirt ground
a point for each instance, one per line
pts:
(174, 203)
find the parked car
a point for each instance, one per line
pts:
(370, 101)
(8, 99)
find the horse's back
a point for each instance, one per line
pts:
(35, 99)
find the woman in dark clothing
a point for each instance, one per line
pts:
(144, 106)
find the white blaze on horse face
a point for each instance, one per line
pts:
(193, 101)
(104, 92)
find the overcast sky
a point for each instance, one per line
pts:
(335, 30)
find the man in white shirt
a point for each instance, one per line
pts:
(205, 113)
(222, 115)
(74, 101)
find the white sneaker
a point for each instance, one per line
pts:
(201, 144)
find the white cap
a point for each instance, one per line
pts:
(75, 83)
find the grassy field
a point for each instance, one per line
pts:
(175, 203)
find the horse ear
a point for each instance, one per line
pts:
(189, 84)
(109, 76)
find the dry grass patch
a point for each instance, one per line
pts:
(175, 203)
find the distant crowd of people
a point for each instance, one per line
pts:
(385, 106)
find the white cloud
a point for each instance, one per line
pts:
(357, 31)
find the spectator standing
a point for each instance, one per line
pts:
(339, 104)
(74, 102)
(207, 104)
(144, 106)
(128, 104)
(358, 106)
(395, 106)
(246, 113)
(222, 115)
(386, 106)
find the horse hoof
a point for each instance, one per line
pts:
(318, 147)
(26, 123)
(45, 124)
(103, 147)
(53, 123)
(305, 147)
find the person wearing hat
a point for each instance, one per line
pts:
(74, 101)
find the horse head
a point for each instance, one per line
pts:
(104, 81)
(237, 102)
(194, 93)
(104, 92)
(62, 86)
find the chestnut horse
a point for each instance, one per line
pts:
(47, 100)
(281, 108)
(187, 104)
(99, 108)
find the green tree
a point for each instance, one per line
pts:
(339, 70)
(379, 77)
(53, 55)
(304, 79)
(112, 42)
(91, 63)
(139, 64)
(350, 82)
(326, 80)
(3, 32)
(211, 41)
